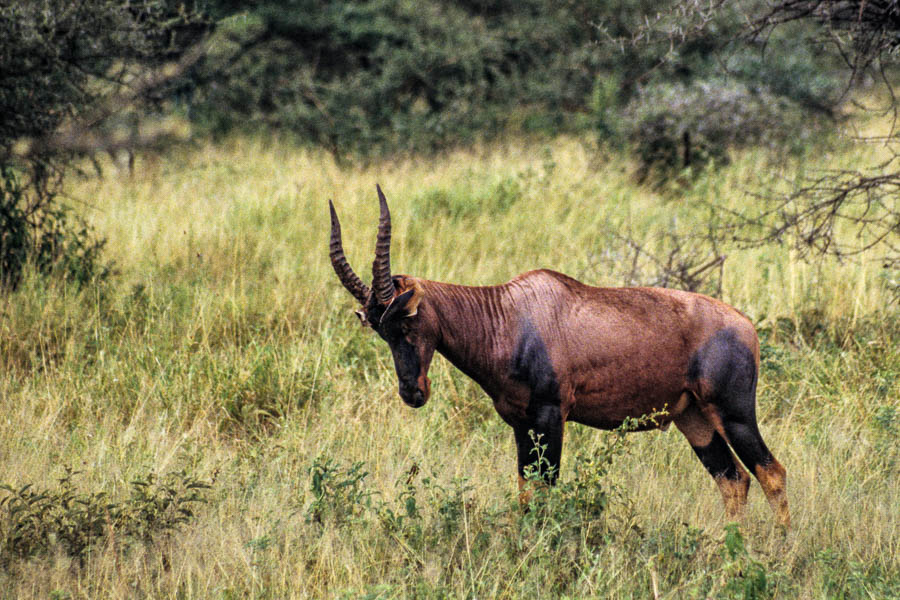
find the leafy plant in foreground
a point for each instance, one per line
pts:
(338, 492)
(746, 578)
(562, 522)
(39, 522)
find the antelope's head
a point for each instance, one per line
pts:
(393, 307)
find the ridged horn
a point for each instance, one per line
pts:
(381, 268)
(344, 272)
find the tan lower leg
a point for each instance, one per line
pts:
(734, 493)
(527, 488)
(525, 492)
(772, 477)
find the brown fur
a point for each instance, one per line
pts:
(616, 352)
(734, 493)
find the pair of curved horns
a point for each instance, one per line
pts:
(382, 285)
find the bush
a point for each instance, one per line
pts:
(68, 70)
(38, 523)
(370, 77)
(44, 233)
(338, 492)
(686, 126)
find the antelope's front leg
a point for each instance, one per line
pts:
(539, 440)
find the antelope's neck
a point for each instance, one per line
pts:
(473, 325)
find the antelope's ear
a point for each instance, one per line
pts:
(404, 305)
(362, 317)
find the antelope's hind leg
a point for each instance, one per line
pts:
(744, 437)
(712, 450)
(725, 369)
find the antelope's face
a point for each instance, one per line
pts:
(392, 308)
(407, 332)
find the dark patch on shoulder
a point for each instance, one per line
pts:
(726, 362)
(531, 365)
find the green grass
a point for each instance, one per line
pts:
(225, 352)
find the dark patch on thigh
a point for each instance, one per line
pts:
(726, 370)
(531, 365)
(729, 368)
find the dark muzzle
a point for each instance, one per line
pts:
(416, 395)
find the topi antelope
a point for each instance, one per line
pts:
(548, 349)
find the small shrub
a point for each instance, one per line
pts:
(450, 503)
(40, 522)
(745, 577)
(338, 492)
(566, 515)
(404, 515)
(677, 129)
(44, 233)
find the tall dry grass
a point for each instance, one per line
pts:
(225, 348)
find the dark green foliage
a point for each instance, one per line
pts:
(393, 75)
(746, 577)
(705, 86)
(864, 33)
(718, 90)
(62, 65)
(338, 492)
(61, 58)
(562, 526)
(808, 55)
(365, 78)
(362, 78)
(571, 508)
(38, 523)
(14, 231)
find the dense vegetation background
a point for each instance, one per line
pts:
(191, 410)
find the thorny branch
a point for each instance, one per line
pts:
(687, 262)
(840, 212)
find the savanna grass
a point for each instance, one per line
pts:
(225, 349)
